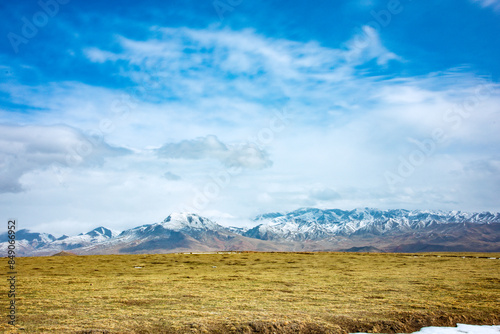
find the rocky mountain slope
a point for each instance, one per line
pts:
(306, 229)
(316, 224)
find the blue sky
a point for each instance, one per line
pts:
(120, 113)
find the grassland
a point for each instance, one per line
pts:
(254, 293)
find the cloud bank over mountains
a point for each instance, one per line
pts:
(139, 115)
(25, 149)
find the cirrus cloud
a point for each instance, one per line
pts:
(495, 4)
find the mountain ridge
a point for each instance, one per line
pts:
(315, 224)
(312, 229)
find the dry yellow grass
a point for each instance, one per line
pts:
(254, 292)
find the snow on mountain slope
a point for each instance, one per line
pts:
(237, 230)
(178, 222)
(26, 241)
(177, 231)
(316, 224)
(186, 221)
(316, 229)
(97, 235)
(102, 233)
(34, 238)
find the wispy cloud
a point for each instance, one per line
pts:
(171, 176)
(196, 100)
(324, 194)
(190, 63)
(367, 46)
(495, 4)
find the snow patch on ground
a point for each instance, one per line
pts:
(460, 329)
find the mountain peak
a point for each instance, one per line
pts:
(183, 220)
(102, 231)
(27, 235)
(360, 229)
(318, 224)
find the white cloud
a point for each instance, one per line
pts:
(186, 62)
(25, 149)
(495, 4)
(489, 167)
(99, 56)
(324, 194)
(171, 176)
(366, 46)
(209, 147)
(346, 128)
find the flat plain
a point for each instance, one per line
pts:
(247, 292)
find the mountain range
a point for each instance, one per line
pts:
(306, 229)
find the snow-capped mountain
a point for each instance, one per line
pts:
(237, 230)
(179, 230)
(102, 233)
(26, 241)
(33, 238)
(317, 224)
(306, 229)
(97, 235)
(31, 243)
(176, 222)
